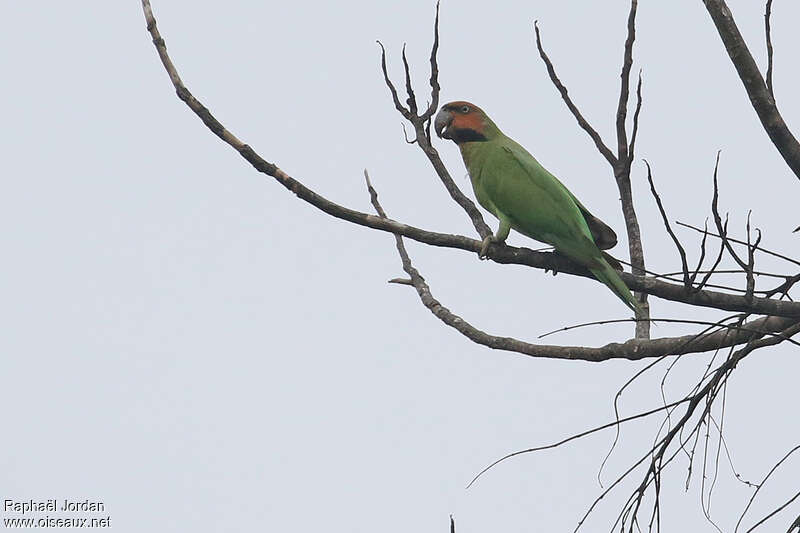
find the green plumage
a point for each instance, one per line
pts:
(523, 195)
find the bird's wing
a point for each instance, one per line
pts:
(535, 202)
(603, 236)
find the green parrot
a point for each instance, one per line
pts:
(523, 195)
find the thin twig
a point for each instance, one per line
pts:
(412, 99)
(671, 277)
(737, 241)
(776, 511)
(572, 437)
(664, 320)
(702, 258)
(395, 98)
(768, 37)
(421, 125)
(622, 104)
(784, 287)
(705, 281)
(622, 173)
(702, 334)
(635, 130)
(722, 229)
(760, 485)
(582, 122)
(729, 271)
(707, 393)
(751, 259)
(686, 280)
(434, 79)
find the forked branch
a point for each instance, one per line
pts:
(760, 95)
(621, 162)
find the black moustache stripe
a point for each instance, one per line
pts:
(466, 135)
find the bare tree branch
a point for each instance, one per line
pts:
(757, 91)
(616, 422)
(768, 37)
(776, 511)
(784, 287)
(760, 485)
(421, 124)
(722, 228)
(666, 321)
(751, 260)
(502, 254)
(635, 130)
(598, 141)
(687, 282)
(737, 241)
(621, 163)
(702, 258)
(395, 98)
(412, 100)
(632, 349)
(622, 173)
(434, 79)
(705, 395)
(708, 274)
(624, 90)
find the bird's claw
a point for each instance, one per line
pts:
(487, 242)
(553, 268)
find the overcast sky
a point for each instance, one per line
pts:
(189, 343)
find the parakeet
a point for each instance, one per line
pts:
(523, 195)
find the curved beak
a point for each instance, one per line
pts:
(442, 123)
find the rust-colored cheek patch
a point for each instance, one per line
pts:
(470, 121)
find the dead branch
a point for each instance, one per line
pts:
(720, 325)
(778, 510)
(784, 287)
(759, 94)
(574, 437)
(637, 111)
(706, 395)
(582, 122)
(768, 38)
(421, 125)
(622, 105)
(622, 173)
(621, 163)
(737, 241)
(634, 348)
(763, 481)
(687, 281)
(751, 260)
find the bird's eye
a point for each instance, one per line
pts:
(465, 109)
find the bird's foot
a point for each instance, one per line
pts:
(556, 255)
(487, 242)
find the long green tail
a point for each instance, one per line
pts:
(611, 279)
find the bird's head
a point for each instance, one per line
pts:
(464, 122)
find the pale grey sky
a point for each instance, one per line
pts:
(192, 345)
